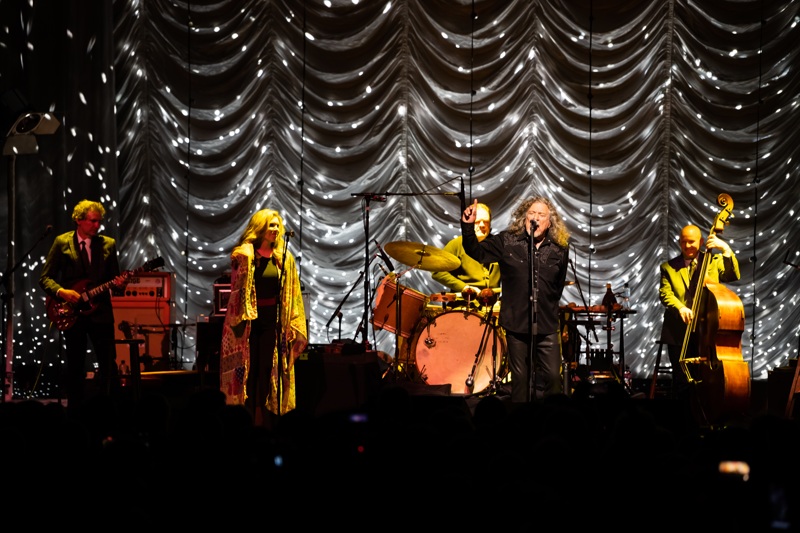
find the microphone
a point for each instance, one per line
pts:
(48, 229)
(534, 226)
(463, 195)
(384, 256)
(290, 233)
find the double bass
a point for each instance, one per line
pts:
(711, 355)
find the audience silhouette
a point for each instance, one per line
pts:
(590, 460)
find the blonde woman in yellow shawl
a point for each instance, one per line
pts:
(265, 325)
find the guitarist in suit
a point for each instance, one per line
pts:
(66, 276)
(677, 284)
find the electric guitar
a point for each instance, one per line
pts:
(64, 314)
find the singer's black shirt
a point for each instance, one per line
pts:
(545, 272)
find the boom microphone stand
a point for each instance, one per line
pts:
(367, 196)
(381, 197)
(338, 311)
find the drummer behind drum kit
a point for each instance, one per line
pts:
(462, 347)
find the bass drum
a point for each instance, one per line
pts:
(455, 345)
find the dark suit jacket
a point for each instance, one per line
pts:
(63, 269)
(675, 286)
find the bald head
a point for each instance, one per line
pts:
(691, 240)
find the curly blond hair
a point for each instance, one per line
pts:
(84, 206)
(557, 231)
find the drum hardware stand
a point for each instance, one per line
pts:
(495, 377)
(338, 312)
(420, 256)
(399, 329)
(488, 320)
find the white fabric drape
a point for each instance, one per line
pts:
(631, 116)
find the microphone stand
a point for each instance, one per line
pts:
(381, 197)
(8, 323)
(367, 196)
(337, 312)
(533, 310)
(590, 322)
(279, 337)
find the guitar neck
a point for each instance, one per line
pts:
(91, 293)
(150, 265)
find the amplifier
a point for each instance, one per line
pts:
(222, 291)
(147, 286)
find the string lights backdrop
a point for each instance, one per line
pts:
(357, 119)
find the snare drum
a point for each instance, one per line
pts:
(458, 348)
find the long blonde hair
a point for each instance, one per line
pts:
(257, 227)
(557, 231)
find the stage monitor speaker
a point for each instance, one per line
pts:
(329, 382)
(145, 319)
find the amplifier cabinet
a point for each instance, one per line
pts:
(146, 286)
(149, 321)
(222, 291)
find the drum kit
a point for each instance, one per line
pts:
(457, 344)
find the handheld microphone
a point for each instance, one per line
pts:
(384, 256)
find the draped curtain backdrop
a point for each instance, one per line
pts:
(185, 118)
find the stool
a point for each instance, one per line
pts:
(658, 369)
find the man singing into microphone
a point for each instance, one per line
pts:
(533, 256)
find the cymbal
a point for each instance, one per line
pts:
(422, 256)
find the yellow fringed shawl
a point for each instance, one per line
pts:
(235, 349)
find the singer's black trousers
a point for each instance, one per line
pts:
(544, 372)
(263, 338)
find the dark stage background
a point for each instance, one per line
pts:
(185, 118)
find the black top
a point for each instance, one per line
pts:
(267, 277)
(513, 254)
